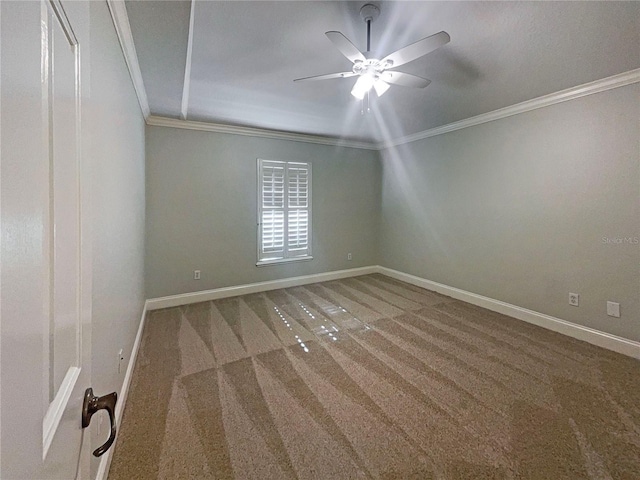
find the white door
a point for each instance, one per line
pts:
(45, 256)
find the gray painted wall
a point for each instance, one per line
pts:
(519, 209)
(116, 156)
(202, 201)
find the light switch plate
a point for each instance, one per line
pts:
(613, 309)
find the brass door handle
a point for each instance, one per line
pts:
(91, 405)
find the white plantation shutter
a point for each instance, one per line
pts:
(273, 203)
(284, 210)
(298, 211)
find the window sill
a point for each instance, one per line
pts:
(264, 263)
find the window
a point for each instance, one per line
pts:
(284, 211)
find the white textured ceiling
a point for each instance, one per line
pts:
(246, 55)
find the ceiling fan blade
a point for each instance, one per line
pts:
(327, 76)
(417, 49)
(404, 79)
(345, 46)
(381, 87)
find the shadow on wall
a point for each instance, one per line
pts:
(415, 206)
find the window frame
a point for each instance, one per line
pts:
(284, 258)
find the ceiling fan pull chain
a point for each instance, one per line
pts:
(366, 100)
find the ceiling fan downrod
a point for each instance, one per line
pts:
(369, 13)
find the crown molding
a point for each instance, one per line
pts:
(120, 19)
(602, 85)
(257, 132)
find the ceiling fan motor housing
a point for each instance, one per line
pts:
(371, 66)
(369, 12)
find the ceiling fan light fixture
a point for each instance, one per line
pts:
(363, 85)
(373, 72)
(381, 87)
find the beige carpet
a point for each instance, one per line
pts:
(369, 377)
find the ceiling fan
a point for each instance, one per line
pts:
(376, 73)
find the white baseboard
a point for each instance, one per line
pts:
(590, 335)
(207, 295)
(105, 461)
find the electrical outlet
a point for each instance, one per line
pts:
(349, 256)
(120, 360)
(574, 299)
(613, 309)
(196, 274)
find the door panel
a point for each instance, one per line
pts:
(64, 153)
(45, 279)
